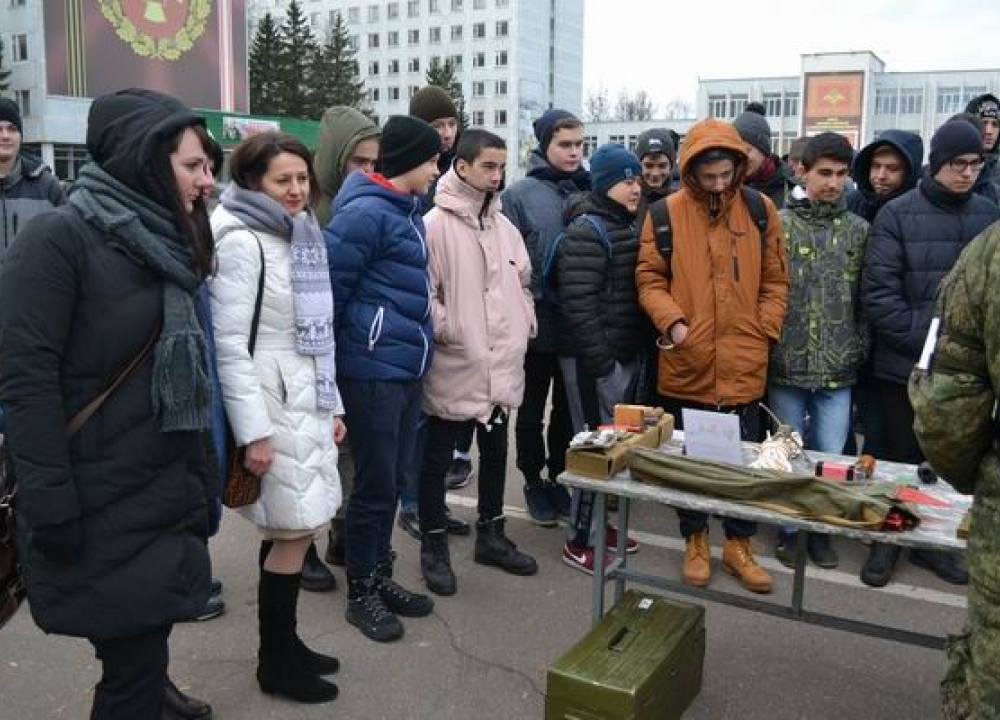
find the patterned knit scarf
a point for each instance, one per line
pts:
(181, 392)
(312, 295)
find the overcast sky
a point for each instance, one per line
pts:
(665, 46)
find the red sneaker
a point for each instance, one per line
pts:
(611, 541)
(582, 559)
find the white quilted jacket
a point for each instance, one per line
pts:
(272, 394)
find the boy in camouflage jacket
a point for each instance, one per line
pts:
(954, 397)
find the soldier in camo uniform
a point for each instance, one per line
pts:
(954, 403)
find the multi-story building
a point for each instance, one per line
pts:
(514, 58)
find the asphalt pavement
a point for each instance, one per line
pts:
(483, 654)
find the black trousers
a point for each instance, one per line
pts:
(133, 678)
(441, 435)
(541, 373)
(899, 443)
(692, 521)
(463, 441)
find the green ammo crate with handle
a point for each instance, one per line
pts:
(643, 661)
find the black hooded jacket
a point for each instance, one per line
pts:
(74, 311)
(864, 201)
(601, 320)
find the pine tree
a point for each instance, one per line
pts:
(334, 72)
(443, 75)
(264, 64)
(4, 74)
(298, 52)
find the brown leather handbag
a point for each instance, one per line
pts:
(242, 487)
(12, 588)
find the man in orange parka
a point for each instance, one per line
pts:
(718, 307)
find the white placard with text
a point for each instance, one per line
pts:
(712, 436)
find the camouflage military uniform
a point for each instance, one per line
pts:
(823, 341)
(954, 406)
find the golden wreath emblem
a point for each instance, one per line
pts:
(162, 29)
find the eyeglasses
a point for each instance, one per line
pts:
(960, 165)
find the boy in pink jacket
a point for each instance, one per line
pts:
(483, 317)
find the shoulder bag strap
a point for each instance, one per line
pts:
(252, 342)
(81, 418)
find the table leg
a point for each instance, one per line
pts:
(799, 578)
(624, 507)
(601, 518)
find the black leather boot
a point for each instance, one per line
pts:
(397, 598)
(316, 577)
(367, 611)
(335, 543)
(178, 706)
(493, 547)
(282, 668)
(435, 563)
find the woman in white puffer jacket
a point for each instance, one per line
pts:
(282, 401)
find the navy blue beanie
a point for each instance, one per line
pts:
(611, 164)
(954, 138)
(545, 126)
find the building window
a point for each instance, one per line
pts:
(434, 35)
(18, 3)
(373, 67)
(501, 58)
(949, 100)
(791, 104)
(479, 59)
(392, 38)
(393, 67)
(479, 31)
(394, 93)
(617, 139)
(737, 104)
(413, 8)
(414, 65)
(413, 37)
(434, 6)
(373, 95)
(478, 118)
(772, 104)
(911, 101)
(503, 28)
(457, 61)
(501, 87)
(69, 159)
(500, 118)
(456, 5)
(355, 42)
(373, 13)
(717, 106)
(414, 89)
(19, 47)
(886, 101)
(479, 5)
(23, 100)
(972, 91)
(503, 3)
(589, 145)
(456, 32)
(354, 15)
(373, 40)
(392, 10)
(479, 89)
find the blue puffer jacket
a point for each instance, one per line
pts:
(915, 241)
(378, 268)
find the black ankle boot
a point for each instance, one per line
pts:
(180, 706)
(493, 547)
(367, 611)
(435, 563)
(397, 598)
(281, 669)
(316, 577)
(335, 543)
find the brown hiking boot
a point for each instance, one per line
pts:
(697, 560)
(738, 561)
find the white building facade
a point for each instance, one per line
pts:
(514, 58)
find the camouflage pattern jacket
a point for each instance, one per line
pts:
(954, 403)
(823, 340)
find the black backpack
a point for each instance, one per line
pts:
(664, 232)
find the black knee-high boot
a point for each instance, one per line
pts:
(282, 666)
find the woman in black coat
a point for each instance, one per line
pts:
(113, 520)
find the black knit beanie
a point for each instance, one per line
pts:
(407, 142)
(544, 126)
(753, 129)
(10, 112)
(432, 103)
(656, 141)
(954, 138)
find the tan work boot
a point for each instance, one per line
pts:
(738, 561)
(697, 560)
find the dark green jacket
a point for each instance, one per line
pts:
(823, 341)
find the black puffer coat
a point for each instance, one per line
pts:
(601, 320)
(74, 311)
(915, 241)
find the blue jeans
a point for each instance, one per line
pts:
(382, 422)
(409, 491)
(829, 417)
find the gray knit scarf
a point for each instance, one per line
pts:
(312, 295)
(146, 232)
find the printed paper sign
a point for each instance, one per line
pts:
(713, 436)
